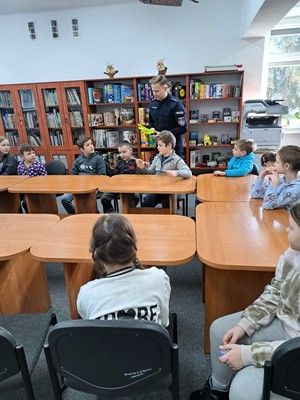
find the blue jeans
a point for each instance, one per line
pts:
(67, 202)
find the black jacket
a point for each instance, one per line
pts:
(8, 165)
(169, 114)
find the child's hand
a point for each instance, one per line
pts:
(140, 163)
(220, 173)
(171, 173)
(233, 335)
(274, 179)
(265, 172)
(232, 357)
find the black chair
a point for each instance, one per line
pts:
(282, 372)
(56, 167)
(255, 170)
(112, 358)
(21, 334)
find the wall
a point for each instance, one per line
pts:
(132, 36)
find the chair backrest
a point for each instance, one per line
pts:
(255, 170)
(111, 357)
(282, 372)
(8, 361)
(55, 167)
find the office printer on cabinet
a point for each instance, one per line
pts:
(262, 122)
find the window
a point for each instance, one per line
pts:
(284, 74)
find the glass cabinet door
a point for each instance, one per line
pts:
(30, 119)
(73, 94)
(9, 118)
(53, 114)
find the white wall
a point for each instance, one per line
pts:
(132, 36)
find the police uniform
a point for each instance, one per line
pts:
(169, 114)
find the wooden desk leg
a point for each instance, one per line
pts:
(23, 286)
(127, 203)
(76, 275)
(85, 203)
(228, 291)
(9, 202)
(173, 203)
(41, 203)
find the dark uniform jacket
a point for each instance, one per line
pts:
(169, 114)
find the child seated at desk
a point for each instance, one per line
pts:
(88, 163)
(125, 165)
(167, 162)
(8, 162)
(29, 167)
(279, 186)
(242, 162)
(249, 338)
(124, 288)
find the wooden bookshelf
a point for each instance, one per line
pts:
(65, 110)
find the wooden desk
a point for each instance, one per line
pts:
(163, 184)
(41, 192)
(239, 244)
(163, 240)
(23, 282)
(9, 202)
(222, 188)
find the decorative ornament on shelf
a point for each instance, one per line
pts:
(161, 68)
(110, 70)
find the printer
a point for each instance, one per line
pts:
(262, 123)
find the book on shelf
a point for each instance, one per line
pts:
(129, 136)
(75, 119)
(40, 158)
(13, 138)
(108, 93)
(99, 136)
(50, 97)
(144, 115)
(96, 119)
(56, 138)
(27, 99)
(72, 97)
(95, 95)
(109, 118)
(34, 140)
(127, 93)
(5, 99)
(112, 138)
(127, 116)
(216, 68)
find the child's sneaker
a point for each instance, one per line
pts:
(207, 393)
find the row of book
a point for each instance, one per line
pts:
(5, 99)
(53, 119)
(56, 138)
(144, 92)
(200, 90)
(111, 138)
(112, 93)
(118, 117)
(13, 138)
(76, 119)
(227, 115)
(143, 115)
(8, 120)
(34, 139)
(31, 119)
(73, 98)
(50, 97)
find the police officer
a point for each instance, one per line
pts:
(167, 112)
